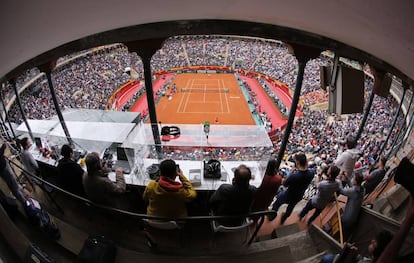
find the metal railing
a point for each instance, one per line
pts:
(258, 217)
(338, 214)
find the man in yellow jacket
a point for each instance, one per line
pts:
(166, 196)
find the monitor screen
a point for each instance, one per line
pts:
(125, 153)
(38, 142)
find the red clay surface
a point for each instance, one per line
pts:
(141, 105)
(266, 104)
(204, 99)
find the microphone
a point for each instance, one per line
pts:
(206, 128)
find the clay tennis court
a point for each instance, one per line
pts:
(204, 97)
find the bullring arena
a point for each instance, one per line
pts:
(232, 83)
(264, 94)
(212, 85)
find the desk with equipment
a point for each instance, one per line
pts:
(203, 175)
(50, 154)
(206, 162)
(195, 171)
(125, 158)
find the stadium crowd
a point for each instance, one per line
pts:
(87, 79)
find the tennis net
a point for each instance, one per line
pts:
(205, 90)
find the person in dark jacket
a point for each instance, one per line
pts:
(375, 177)
(70, 173)
(355, 196)
(297, 182)
(235, 198)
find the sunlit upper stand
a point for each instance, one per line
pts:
(94, 130)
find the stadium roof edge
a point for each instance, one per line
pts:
(379, 33)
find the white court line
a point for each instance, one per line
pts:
(219, 90)
(201, 112)
(219, 83)
(208, 80)
(206, 102)
(222, 106)
(204, 95)
(182, 97)
(221, 98)
(227, 101)
(188, 97)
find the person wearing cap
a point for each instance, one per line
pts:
(296, 183)
(167, 197)
(70, 173)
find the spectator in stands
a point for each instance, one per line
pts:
(78, 86)
(375, 177)
(70, 173)
(98, 187)
(9, 177)
(346, 161)
(297, 182)
(355, 196)
(167, 197)
(325, 194)
(29, 163)
(350, 251)
(268, 188)
(234, 199)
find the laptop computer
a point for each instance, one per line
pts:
(38, 142)
(124, 157)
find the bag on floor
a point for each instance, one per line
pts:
(48, 225)
(97, 249)
(32, 210)
(42, 218)
(35, 255)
